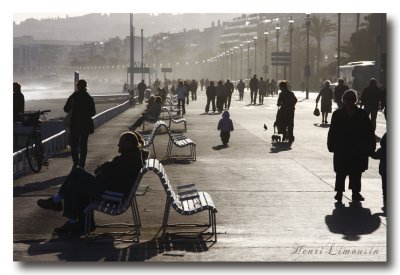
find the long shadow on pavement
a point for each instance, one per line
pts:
(352, 221)
(76, 249)
(280, 146)
(38, 186)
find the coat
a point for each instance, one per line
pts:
(120, 173)
(83, 109)
(351, 140)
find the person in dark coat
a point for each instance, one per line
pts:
(339, 91)
(253, 89)
(82, 106)
(230, 88)
(18, 102)
(225, 126)
(326, 101)
(371, 98)
(381, 155)
(262, 90)
(285, 117)
(210, 92)
(152, 113)
(221, 92)
(141, 88)
(351, 139)
(240, 86)
(81, 187)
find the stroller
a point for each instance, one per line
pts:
(281, 128)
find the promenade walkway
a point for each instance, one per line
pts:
(275, 203)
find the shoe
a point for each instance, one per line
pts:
(70, 228)
(50, 204)
(357, 197)
(339, 196)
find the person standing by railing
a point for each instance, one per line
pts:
(18, 102)
(82, 106)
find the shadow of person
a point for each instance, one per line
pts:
(322, 125)
(280, 146)
(219, 147)
(352, 221)
(75, 248)
(38, 186)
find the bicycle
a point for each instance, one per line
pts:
(132, 100)
(34, 148)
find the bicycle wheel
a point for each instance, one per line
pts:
(34, 152)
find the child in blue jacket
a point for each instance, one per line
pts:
(225, 125)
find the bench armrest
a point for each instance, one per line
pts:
(112, 196)
(185, 186)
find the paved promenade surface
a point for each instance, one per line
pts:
(275, 203)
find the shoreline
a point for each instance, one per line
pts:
(56, 106)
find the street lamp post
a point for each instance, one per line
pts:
(235, 50)
(307, 70)
(291, 21)
(248, 59)
(265, 54)
(277, 28)
(231, 52)
(241, 60)
(255, 54)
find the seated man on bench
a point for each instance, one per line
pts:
(151, 113)
(81, 187)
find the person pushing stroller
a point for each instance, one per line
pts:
(285, 115)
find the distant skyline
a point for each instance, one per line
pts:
(19, 17)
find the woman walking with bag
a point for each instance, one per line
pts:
(82, 108)
(326, 95)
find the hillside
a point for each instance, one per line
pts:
(97, 27)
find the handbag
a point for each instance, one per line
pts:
(316, 111)
(67, 118)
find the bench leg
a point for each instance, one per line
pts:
(165, 218)
(136, 218)
(88, 222)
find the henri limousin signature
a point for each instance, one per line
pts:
(333, 249)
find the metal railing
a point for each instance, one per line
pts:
(59, 142)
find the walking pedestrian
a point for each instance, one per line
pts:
(210, 92)
(339, 91)
(286, 101)
(221, 93)
(193, 89)
(230, 88)
(381, 155)
(202, 84)
(371, 97)
(262, 90)
(326, 101)
(82, 106)
(182, 93)
(141, 88)
(240, 86)
(225, 125)
(351, 140)
(81, 187)
(253, 89)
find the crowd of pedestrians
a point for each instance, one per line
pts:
(351, 136)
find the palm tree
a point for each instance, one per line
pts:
(319, 29)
